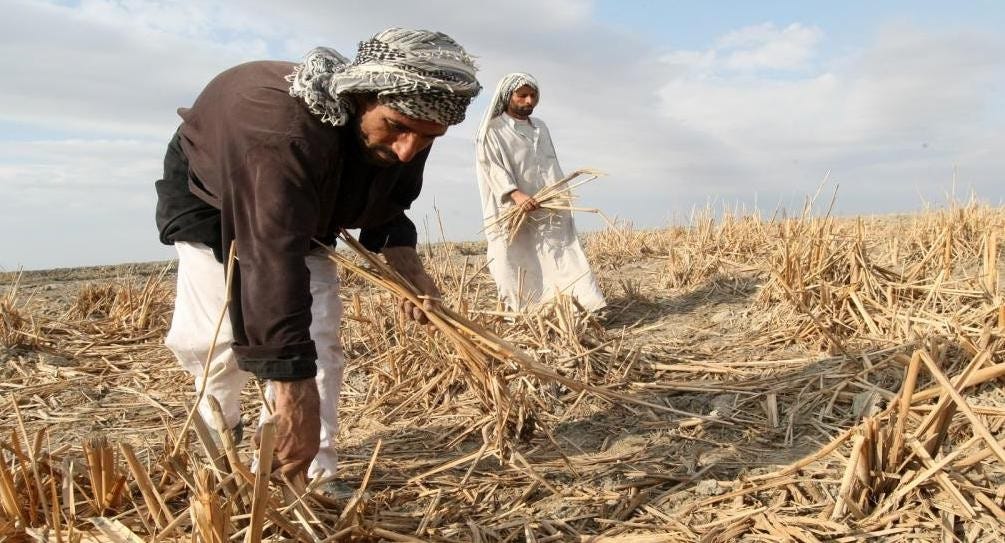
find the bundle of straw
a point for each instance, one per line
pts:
(487, 362)
(555, 197)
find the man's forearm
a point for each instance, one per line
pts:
(405, 260)
(521, 199)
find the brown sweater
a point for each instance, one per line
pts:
(279, 177)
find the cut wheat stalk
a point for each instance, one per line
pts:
(977, 425)
(210, 517)
(260, 500)
(114, 530)
(9, 495)
(107, 483)
(155, 503)
(355, 502)
(904, 405)
(936, 470)
(844, 495)
(555, 197)
(31, 459)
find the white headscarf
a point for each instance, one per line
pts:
(425, 75)
(504, 90)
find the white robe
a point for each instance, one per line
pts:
(545, 257)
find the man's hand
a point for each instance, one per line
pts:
(522, 200)
(298, 426)
(406, 262)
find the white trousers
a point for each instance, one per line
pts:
(200, 298)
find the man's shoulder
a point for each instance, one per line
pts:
(277, 67)
(256, 94)
(500, 122)
(249, 77)
(497, 122)
(538, 122)
(495, 130)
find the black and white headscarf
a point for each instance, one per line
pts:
(424, 75)
(504, 90)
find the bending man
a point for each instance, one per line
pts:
(271, 156)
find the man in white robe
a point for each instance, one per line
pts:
(515, 159)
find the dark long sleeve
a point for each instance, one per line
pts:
(274, 215)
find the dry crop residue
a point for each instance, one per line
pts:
(792, 379)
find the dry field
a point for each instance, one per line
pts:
(757, 379)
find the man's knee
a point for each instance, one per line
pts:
(191, 349)
(178, 343)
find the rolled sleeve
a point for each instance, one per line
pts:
(272, 216)
(283, 363)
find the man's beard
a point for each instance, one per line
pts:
(522, 111)
(380, 155)
(376, 155)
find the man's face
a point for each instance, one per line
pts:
(522, 102)
(390, 138)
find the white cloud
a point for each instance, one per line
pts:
(95, 68)
(910, 101)
(764, 111)
(766, 46)
(78, 202)
(77, 165)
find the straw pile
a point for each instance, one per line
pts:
(555, 197)
(792, 379)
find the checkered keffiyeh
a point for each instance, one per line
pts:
(425, 75)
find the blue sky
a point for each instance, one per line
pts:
(682, 103)
(688, 24)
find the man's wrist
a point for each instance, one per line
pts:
(402, 258)
(293, 392)
(292, 384)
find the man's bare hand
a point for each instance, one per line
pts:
(406, 262)
(522, 200)
(298, 426)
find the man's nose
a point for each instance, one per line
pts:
(407, 146)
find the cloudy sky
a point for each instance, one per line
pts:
(682, 103)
